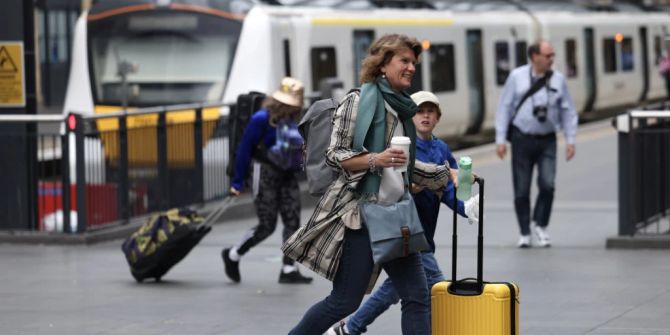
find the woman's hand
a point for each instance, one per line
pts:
(391, 157)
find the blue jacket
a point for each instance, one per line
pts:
(258, 129)
(427, 202)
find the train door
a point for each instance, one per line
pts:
(644, 46)
(589, 69)
(475, 67)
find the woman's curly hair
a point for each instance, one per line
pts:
(382, 50)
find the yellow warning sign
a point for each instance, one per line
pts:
(12, 84)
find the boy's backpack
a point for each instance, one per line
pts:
(318, 120)
(286, 153)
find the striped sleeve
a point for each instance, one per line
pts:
(342, 136)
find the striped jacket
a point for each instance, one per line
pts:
(318, 244)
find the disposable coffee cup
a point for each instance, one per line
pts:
(401, 142)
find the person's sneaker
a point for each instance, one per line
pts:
(293, 277)
(232, 268)
(524, 241)
(337, 329)
(543, 239)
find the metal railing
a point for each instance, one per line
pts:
(644, 172)
(104, 169)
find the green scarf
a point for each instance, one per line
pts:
(371, 125)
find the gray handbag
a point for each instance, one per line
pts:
(395, 230)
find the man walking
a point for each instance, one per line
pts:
(535, 103)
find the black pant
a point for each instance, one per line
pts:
(278, 193)
(527, 152)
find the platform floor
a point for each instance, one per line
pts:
(576, 287)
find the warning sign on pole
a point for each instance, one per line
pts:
(12, 84)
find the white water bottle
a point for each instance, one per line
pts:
(464, 190)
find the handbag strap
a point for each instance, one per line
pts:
(405, 177)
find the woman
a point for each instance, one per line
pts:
(335, 243)
(276, 184)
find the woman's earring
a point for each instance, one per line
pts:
(384, 75)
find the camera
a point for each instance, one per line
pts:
(540, 112)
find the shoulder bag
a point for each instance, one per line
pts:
(395, 230)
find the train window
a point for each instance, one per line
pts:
(609, 55)
(502, 62)
(362, 40)
(324, 64)
(570, 58)
(184, 62)
(55, 28)
(627, 59)
(442, 68)
(520, 50)
(658, 49)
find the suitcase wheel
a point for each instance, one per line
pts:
(158, 279)
(138, 278)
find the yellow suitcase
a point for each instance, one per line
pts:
(471, 306)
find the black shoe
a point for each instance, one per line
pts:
(293, 277)
(232, 268)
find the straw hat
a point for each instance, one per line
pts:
(291, 92)
(425, 96)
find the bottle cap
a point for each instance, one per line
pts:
(465, 162)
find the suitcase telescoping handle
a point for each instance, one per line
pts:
(466, 287)
(215, 214)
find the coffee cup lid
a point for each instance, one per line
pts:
(400, 140)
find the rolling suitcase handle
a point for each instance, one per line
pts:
(465, 286)
(216, 213)
(468, 286)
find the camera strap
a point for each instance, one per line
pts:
(532, 90)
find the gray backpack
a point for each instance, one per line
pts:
(318, 121)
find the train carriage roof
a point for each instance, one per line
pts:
(480, 5)
(243, 6)
(231, 6)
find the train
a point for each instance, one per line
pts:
(130, 54)
(214, 50)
